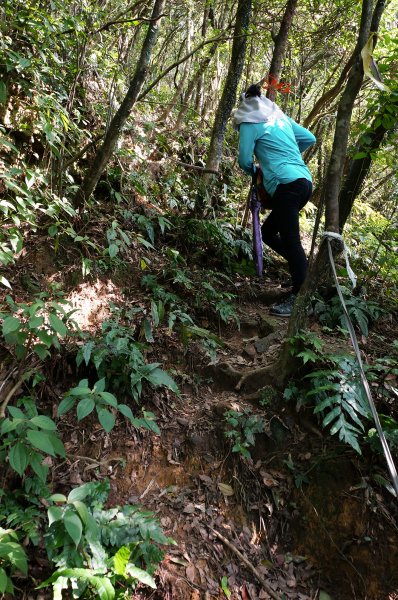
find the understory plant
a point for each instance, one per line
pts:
(119, 360)
(333, 389)
(98, 552)
(362, 312)
(241, 428)
(12, 558)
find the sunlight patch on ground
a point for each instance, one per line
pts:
(92, 301)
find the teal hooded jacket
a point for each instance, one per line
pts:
(277, 144)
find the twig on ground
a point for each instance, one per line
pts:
(10, 394)
(248, 564)
(96, 462)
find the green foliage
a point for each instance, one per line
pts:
(36, 327)
(215, 241)
(27, 438)
(340, 399)
(336, 388)
(242, 426)
(103, 402)
(119, 360)
(22, 512)
(12, 558)
(362, 312)
(99, 549)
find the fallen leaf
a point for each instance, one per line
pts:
(191, 573)
(225, 489)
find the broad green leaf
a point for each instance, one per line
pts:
(113, 250)
(147, 329)
(11, 324)
(87, 350)
(58, 498)
(85, 407)
(44, 422)
(3, 100)
(109, 399)
(15, 555)
(41, 441)
(99, 386)
(9, 425)
(19, 457)
(65, 405)
(82, 511)
(54, 513)
(3, 580)
(149, 422)
(41, 350)
(58, 325)
(16, 412)
(155, 313)
(121, 559)
(107, 419)
(159, 377)
(79, 493)
(41, 470)
(35, 322)
(73, 526)
(80, 391)
(126, 411)
(57, 444)
(45, 337)
(103, 587)
(335, 412)
(140, 575)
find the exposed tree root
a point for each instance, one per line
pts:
(257, 378)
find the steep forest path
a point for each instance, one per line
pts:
(302, 542)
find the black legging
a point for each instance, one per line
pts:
(280, 230)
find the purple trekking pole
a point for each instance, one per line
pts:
(255, 207)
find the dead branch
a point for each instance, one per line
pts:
(248, 564)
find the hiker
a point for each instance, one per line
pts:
(277, 142)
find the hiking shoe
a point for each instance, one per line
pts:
(285, 308)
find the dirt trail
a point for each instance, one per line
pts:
(323, 541)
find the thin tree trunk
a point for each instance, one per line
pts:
(279, 53)
(359, 168)
(106, 150)
(228, 96)
(331, 94)
(331, 190)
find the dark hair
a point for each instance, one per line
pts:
(253, 90)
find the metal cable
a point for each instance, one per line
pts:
(387, 453)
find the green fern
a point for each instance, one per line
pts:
(340, 399)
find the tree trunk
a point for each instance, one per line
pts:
(359, 168)
(228, 96)
(331, 189)
(331, 94)
(279, 53)
(105, 151)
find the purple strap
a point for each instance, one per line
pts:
(255, 207)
